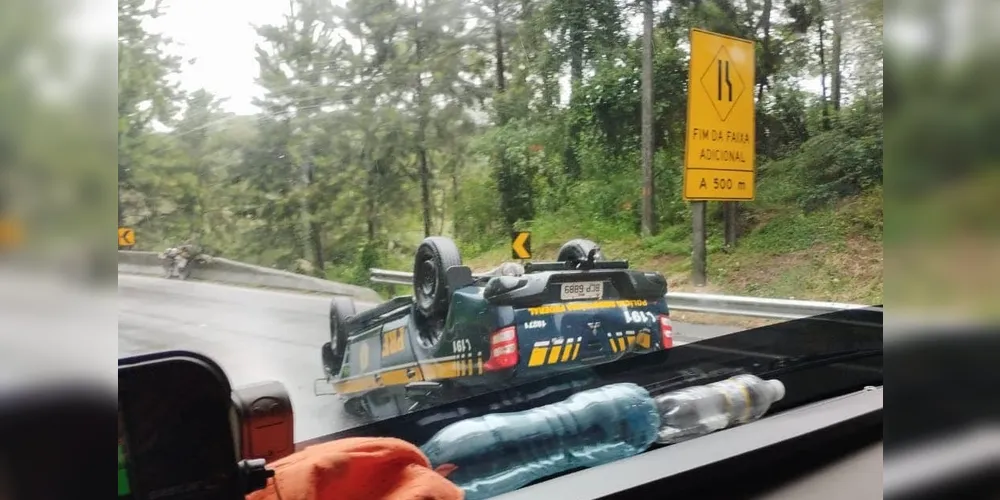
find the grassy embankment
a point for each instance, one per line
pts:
(832, 254)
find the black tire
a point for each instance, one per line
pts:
(578, 249)
(341, 308)
(430, 286)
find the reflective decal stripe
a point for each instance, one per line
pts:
(557, 345)
(538, 353)
(644, 340)
(568, 352)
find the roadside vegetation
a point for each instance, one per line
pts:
(385, 121)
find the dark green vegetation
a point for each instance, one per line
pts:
(383, 121)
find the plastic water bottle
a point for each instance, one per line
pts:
(695, 411)
(494, 454)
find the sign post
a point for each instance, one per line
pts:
(719, 149)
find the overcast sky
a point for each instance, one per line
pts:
(219, 37)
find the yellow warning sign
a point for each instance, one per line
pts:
(719, 147)
(126, 237)
(11, 233)
(520, 245)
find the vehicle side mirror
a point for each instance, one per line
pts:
(264, 427)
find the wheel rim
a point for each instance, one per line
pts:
(426, 283)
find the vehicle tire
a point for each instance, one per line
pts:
(341, 308)
(430, 286)
(578, 249)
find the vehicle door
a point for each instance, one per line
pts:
(391, 361)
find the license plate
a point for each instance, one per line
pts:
(582, 290)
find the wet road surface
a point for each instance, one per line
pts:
(256, 335)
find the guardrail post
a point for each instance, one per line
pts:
(698, 209)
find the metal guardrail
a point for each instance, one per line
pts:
(697, 302)
(223, 270)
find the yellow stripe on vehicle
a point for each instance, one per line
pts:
(453, 368)
(400, 377)
(432, 370)
(644, 340)
(538, 354)
(621, 344)
(385, 378)
(576, 347)
(630, 338)
(568, 352)
(356, 385)
(439, 370)
(614, 345)
(555, 351)
(584, 306)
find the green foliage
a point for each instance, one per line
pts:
(844, 161)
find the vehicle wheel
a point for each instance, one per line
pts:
(341, 308)
(430, 289)
(578, 249)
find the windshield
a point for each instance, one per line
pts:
(393, 205)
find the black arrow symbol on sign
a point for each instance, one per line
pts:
(729, 84)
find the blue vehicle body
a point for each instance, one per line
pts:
(501, 330)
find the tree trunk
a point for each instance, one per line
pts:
(576, 60)
(498, 46)
(371, 193)
(425, 177)
(121, 214)
(423, 163)
(648, 207)
(454, 201)
(122, 169)
(822, 74)
(316, 242)
(765, 69)
(576, 48)
(312, 226)
(835, 71)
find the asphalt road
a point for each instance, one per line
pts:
(255, 335)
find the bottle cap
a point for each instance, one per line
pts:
(777, 388)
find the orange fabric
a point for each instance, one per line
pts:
(357, 469)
